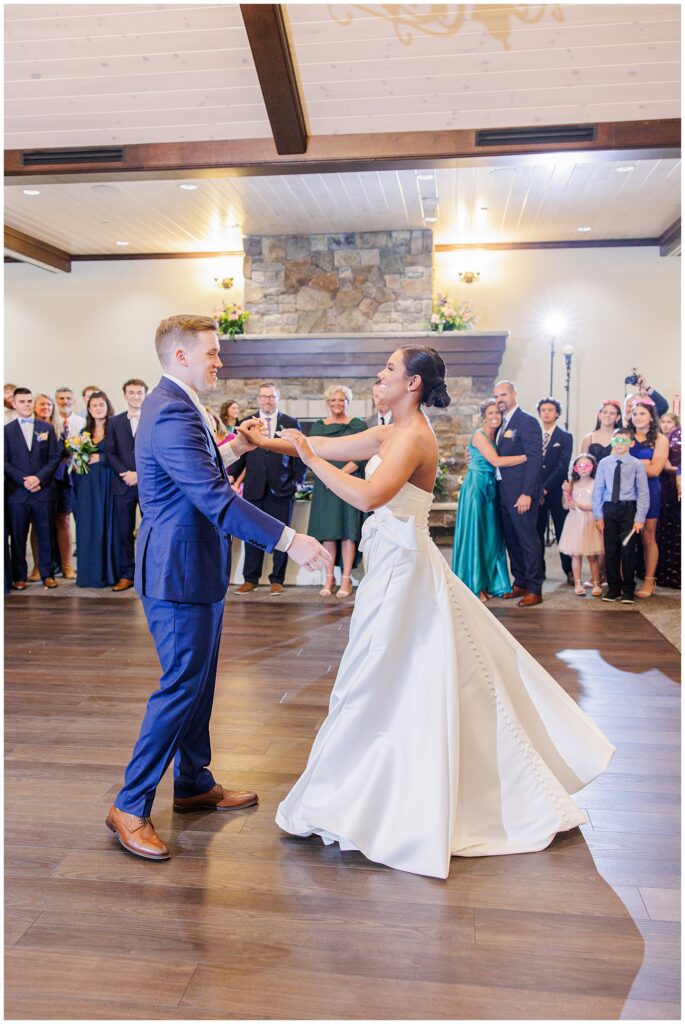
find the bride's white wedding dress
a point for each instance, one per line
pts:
(444, 736)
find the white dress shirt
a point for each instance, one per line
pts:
(27, 431)
(271, 420)
(134, 421)
(227, 454)
(75, 424)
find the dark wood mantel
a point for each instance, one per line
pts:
(476, 354)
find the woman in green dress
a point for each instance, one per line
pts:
(479, 558)
(332, 521)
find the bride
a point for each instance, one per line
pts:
(444, 737)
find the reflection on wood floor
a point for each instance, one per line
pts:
(244, 922)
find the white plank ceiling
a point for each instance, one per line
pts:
(543, 201)
(88, 74)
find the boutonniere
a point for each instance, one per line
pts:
(42, 437)
(510, 433)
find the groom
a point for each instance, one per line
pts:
(519, 493)
(190, 512)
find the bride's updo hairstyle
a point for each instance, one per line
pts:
(427, 364)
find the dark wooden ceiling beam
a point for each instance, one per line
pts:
(268, 38)
(669, 242)
(28, 249)
(613, 140)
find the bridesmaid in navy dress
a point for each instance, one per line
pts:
(650, 445)
(96, 534)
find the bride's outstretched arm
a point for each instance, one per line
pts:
(350, 448)
(399, 462)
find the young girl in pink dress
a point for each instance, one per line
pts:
(580, 536)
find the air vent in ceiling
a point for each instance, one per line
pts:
(97, 155)
(544, 134)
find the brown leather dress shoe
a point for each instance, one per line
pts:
(245, 588)
(530, 600)
(514, 592)
(277, 588)
(123, 584)
(50, 583)
(19, 585)
(137, 835)
(217, 799)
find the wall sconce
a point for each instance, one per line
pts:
(224, 282)
(469, 276)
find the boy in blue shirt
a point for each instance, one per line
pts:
(620, 500)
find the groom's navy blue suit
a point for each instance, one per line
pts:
(189, 512)
(522, 436)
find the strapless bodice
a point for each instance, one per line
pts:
(409, 509)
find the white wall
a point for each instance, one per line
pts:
(622, 308)
(97, 324)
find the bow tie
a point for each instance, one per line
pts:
(26, 421)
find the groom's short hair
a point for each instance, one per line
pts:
(181, 329)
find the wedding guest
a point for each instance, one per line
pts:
(598, 442)
(649, 445)
(70, 425)
(479, 558)
(44, 409)
(229, 414)
(620, 500)
(32, 455)
(381, 416)
(270, 483)
(97, 539)
(580, 536)
(331, 520)
(519, 494)
(10, 411)
(218, 429)
(85, 395)
(645, 391)
(120, 450)
(668, 531)
(557, 446)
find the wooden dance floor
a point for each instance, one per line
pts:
(244, 922)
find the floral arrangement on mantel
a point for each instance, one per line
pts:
(446, 317)
(231, 319)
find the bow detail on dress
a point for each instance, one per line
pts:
(401, 532)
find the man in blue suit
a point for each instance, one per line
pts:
(190, 512)
(519, 493)
(120, 448)
(32, 455)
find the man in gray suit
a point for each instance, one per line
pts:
(381, 415)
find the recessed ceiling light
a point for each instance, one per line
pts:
(430, 220)
(188, 186)
(123, 243)
(584, 229)
(31, 192)
(625, 170)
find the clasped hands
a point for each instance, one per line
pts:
(254, 433)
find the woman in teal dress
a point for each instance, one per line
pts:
(479, 558)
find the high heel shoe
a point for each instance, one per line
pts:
(327, 590)
(579, 589)
(345, 589)
(650, 582)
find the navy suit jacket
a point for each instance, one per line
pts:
(555, 464)
(42, 461)
(522, 436)
(268, 470)
(189, 509)
(120, 448)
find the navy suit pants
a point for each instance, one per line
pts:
(523, 544)
(281, 509)
(21, 515)
(176, 722)
(556, 510)
(125, 511)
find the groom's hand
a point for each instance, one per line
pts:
(308, 552)
(246, 434)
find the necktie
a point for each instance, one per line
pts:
(545, 442)
(65, 428)
(616, 489)
(382, 419)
